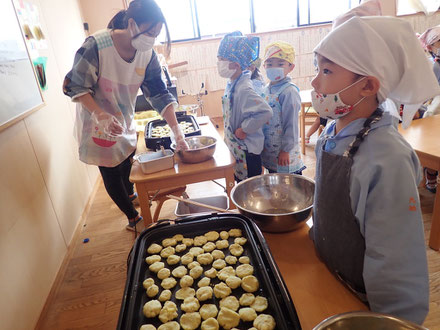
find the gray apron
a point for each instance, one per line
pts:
(335, 230)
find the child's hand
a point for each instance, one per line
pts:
(239, 133)
(283, 158)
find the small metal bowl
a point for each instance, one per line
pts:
(366, 320)
(201, 148)
(276, 202)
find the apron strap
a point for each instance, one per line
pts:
(354, 146)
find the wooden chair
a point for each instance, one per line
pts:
(160, 196)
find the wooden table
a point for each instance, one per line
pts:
(424, 136)
(315, 292)
(220, 166)
(306, 102)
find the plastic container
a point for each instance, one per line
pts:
(184, 209)
(155, 161)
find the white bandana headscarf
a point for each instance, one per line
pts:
(388, 49)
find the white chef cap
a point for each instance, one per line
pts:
(367, 8)
(388, 49)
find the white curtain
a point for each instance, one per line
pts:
(427, 6)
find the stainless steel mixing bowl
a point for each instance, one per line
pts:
(276, 202)
(201, 148)
(366, 320)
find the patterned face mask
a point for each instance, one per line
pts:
(330, 105)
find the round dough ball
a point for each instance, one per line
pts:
(225, 273)
(163, 273)
(264, 322)
(247, 299)
(179, 271)
(217, 254)
(168, 283)
(224, 234)
(200, 240)
(221, 290)
(244, 260)
(244, 270)
(147, 327)
(240, 240)
(205, 258)
(208, 310)
(211, 273)
(187, 258)
(188, 241)
(193, 264)
(178, 237)
(250, 283)
(152, 259)
(152, 308)
(173, 259)
(186, 281)
(168, 312)
(180, 247)
(260, 304)
(212, 236)
(169, 242)
(173, 325)
(204, 282)
(208, 247)
(196, 272)
(210, 324)
(219, 264)
(230, 302)
(228, 318)
(152, 291)
(185, 293)
(154, 248)
(195, 251)
(233, 282)
(204, 293)
(165, 253)
(148, 282)
(235, 232)
(190, 321)
(156, 266)
(231, 260)
(222, 244)
(247, 314)
(165, 295)
(236, 249)
(190, 304)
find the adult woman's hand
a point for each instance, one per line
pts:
(110, 125)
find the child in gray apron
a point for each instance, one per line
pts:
(367, 223)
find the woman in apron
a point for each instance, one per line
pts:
(107, 73)
(367, 223)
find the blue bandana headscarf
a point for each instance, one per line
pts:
(238, 48)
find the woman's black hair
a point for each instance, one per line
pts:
(141, 11)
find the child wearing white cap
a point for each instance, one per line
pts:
(368, 226)
(281, 151)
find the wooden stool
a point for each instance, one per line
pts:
(160, 197)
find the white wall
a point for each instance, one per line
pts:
(44, 188)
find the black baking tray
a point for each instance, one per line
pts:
(155, 143)
(272, 285)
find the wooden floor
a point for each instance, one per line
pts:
(89, 288)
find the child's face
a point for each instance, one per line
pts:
(434, 47)
(332, 78)
(275, 62)
(232, 65)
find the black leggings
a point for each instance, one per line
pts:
(118, 186)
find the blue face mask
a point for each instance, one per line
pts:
(275, 74)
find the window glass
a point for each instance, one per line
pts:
(326, 11)
(219, 17)
(274, 14)
(179, 17)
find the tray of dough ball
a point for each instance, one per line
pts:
(157, 132)
(205, 272)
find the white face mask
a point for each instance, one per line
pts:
(275, 74)
(142, 42)
(223, 69)
(330, 105)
